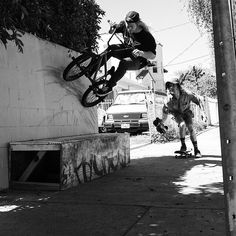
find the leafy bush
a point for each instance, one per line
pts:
(200, 12)
(173, 134)
(200, 81)
(170, 135)
(71, 23)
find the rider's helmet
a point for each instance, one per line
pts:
(172, 80)
(132, 17)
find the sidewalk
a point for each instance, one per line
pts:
(156, 195)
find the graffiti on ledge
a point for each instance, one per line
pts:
(82, 164)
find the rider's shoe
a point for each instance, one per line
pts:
(104, 91)
(183, 148)
(197, 153)
(111, 71)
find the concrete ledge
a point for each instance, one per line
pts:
(63, 162)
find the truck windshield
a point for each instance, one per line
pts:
(130, 98)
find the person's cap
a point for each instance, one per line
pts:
(132, 17)
(172, 80)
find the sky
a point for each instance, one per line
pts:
(183, 44)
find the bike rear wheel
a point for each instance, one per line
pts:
(90, 97)
(78, 67)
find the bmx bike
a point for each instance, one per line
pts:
(89, 64)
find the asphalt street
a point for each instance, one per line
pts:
(156, 194)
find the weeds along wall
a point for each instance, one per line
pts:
(35, 102)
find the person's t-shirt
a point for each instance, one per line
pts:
(145, 41)
(181, 105)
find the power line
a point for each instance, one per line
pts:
(170, 27)
(160, 30)
(182, 62)
(184, 50)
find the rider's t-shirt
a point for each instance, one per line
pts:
(143, 40)
(181, 105)
(180, 108)
(146, 41)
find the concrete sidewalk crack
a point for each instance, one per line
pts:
(139, 217)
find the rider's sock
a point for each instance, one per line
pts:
(195, 145)
(183, 147)
(182, 141)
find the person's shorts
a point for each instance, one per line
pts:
(187, 117)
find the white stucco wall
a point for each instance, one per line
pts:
(35, 102)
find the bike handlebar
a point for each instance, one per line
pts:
(113, 29)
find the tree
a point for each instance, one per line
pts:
(8, 30)
(201, 13)
(72, 23)
(199, 80)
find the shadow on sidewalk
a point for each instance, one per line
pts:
(151, 189)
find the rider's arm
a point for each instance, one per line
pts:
(147, 47)
(120, 28)
(195, 99)
(148, 55)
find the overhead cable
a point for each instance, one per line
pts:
(171, 27)
(184, 50)
(193, 59)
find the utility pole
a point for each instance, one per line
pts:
(224, 44)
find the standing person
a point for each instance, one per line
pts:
(137, 35)
(178, 105)
(101, 118)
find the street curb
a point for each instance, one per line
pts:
(175, 140)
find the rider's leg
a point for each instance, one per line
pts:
(118, 51)
(182, 131)
(124, 65)
(193, 137)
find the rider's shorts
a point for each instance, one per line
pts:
(187, 117)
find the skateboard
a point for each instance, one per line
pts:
(185, 154)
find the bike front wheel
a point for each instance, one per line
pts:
(90, 97)
(78, 67)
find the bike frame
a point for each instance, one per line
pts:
(103, 56)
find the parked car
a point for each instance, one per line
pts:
(128, 112)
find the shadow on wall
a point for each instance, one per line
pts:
(75, 88)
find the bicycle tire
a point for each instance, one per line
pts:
(90, 93)
(80, 69)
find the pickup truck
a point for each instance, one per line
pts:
(129, 112)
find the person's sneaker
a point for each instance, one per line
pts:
(183, 148)
(197, 153)
(111, 71)
(104, 91)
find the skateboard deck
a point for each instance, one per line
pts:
(185, 154)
